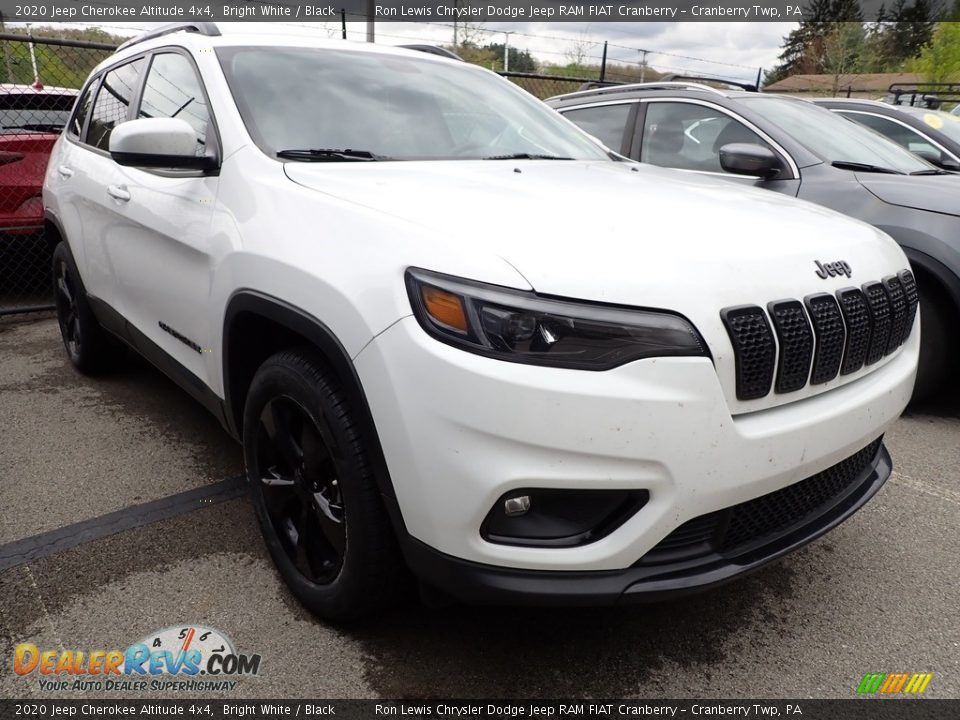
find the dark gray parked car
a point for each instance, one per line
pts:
(932, 134)
(797, 148)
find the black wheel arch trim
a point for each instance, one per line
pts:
(941, 273)
(51, 217)
(325, 340)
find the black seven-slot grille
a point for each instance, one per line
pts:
(763, 520)
(819, 338)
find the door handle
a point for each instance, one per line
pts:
(118, 192)
(65, 172)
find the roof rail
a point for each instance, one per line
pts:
(642, 86)
(433, 50)
(204, 28)
(749, 87)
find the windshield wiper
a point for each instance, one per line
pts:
(526, 156)
(931, 171)
(864, 167)
(329, 155)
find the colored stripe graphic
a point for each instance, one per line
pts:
(918, 683)
(871, 683)
(894, 683)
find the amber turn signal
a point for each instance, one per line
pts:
(445, 307)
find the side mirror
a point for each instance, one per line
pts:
(749, 159)
(158, 143)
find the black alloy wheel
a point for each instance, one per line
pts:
(298, 478)
(310, 464)
(68, 312)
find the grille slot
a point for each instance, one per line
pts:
(765, 519)
(830, 334)
(692, 533)
(879, 306)
(913, 300)
(898, 307)
(779, 511)
(856, 316)
(753, 348)
(796, 344)
(820, 338)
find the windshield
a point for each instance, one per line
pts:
(393, 107)
(834, 138)
(946, 123)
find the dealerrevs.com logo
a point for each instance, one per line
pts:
(185, 658)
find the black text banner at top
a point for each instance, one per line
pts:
(419, 11)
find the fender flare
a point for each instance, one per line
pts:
(933, 267)
(324, 339)
(50, 217)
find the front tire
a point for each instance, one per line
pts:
(89, 347)
(937, 346)
(314, 490)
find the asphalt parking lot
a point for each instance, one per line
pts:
(879, 594)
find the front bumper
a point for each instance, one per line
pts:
(459, 431)
(488, 585)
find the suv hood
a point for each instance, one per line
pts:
(627, 234)
(934, 193)
(565, 225)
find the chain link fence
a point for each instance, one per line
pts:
(545, 86)
(39, 79)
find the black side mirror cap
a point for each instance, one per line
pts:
(749, 159)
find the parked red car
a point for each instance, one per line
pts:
(31, 118)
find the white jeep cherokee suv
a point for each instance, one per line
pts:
(456, 335)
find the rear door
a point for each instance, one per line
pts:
(160, 247)
(90, 177)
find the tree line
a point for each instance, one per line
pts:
(922, 36)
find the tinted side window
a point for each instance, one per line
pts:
(173, 90)
(689, 136)
(902, 136)
(75, 126)
(113, 103)
(606, 123)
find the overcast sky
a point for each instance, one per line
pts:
(729, 49)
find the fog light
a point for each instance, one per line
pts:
(516, 505)
(554, 517)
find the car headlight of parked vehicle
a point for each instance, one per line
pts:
(523, 327)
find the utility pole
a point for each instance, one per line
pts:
(369, 9)
(643, 65)
(33, 60)
(506, 50)
(455, 4)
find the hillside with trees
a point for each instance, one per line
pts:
(57, 65)
(907, 36)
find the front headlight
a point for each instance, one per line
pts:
(523, 327)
